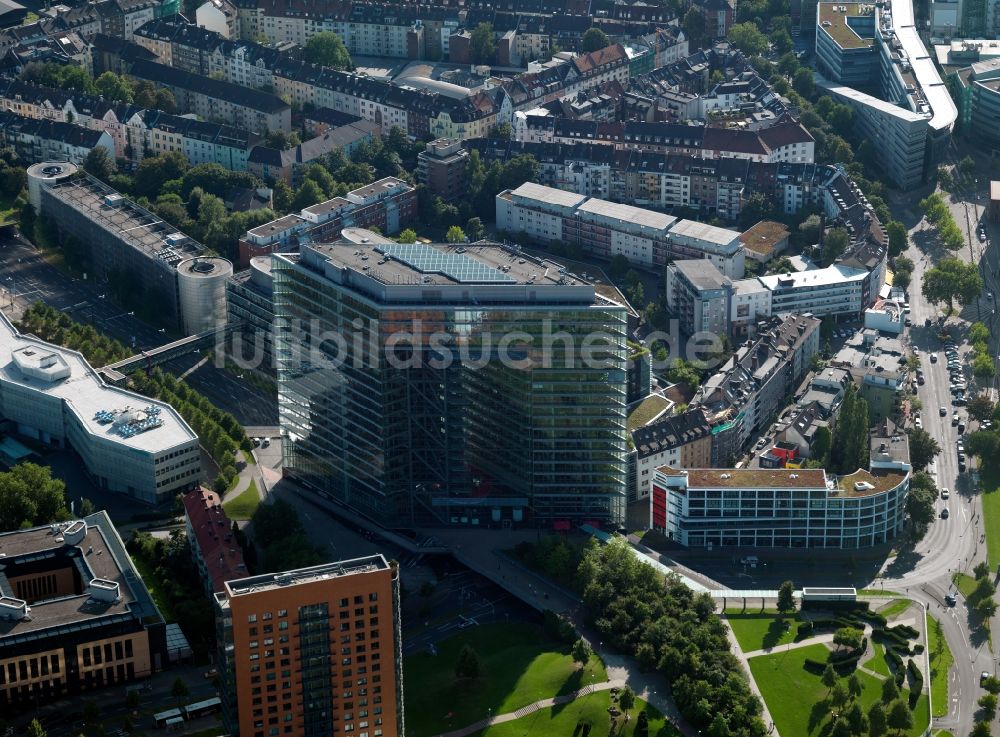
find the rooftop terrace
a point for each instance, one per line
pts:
(834, 19)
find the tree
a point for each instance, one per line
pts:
(952, 280)
(890, 691)
(850, 450)
(803, 82)
(991, 685)
(581, 651)
(786, 600)
(848, 637)
(112, 87)
(626, 699)
(899, 717)
(923, 448)
(988, 703)
(839, 694)
(327, 49)
(719, 726)
(407, 236)
(455, 235)
(920, 500)
(35, 729)
(482, 48)
(840, 729)
(854, 686)
(747, 38)
(822, 441)
(694, 27)
(308, 194)
(981, 729)
(829, 678)
(856, 719)
(897, 237)
(100, 163)
(982, 569)
(876, 719)
(468, 663)
(594, 40)
(474, 229)
(835, 242)
(29, 496)
(179, 690)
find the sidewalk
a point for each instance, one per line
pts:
(734, 645)
(532, 708)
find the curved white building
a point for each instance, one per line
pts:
(201, 289)
(128, 443)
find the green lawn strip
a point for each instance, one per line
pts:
(591, 709)
(783, 673)
(151, 582)
(941, 662)
(942, 733)
(877, 662)
(243, 505)
(518, 666)
(756, 630)
(965, 583)
(895, 608)
(991, 515)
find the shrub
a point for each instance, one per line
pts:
(905, 630)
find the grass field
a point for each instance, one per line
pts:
(518, 666)
(895, 608)
(756, 630)
(877, 662)
(150, 580)
(591, 709)
(965, 583)
(941, 661)
(7, 210)
(781, 674)
(990, 484)
(243, 505)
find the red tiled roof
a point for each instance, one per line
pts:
(214, 540)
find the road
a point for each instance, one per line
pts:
(924, 572)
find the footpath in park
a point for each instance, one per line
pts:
(532, 708)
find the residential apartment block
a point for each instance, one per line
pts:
(389, 204)
(50, 140)
(75, 614)
(214, 548)
(605, 229)
(678, 441)
(535, 434)
(442, 168)
(330, 635)
(699, 296)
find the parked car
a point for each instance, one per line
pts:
(954, 419)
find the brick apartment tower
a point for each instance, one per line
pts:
(313, 652)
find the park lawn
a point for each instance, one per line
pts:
(941, 662)
(761, 630)
(895, 608)
(518, 666)
(990, 484)
(591, 709)
(878, 662)
(8, 211)
(243, 505)
(783, 673)
(965, 583)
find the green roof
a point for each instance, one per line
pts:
(838, 29)
(646, 411)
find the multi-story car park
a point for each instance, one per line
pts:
(128, 443)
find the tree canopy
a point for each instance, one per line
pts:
(594, 39)
(850, 449)
(327, 49)
(29, 496)
(482, 47)
(747, 38)
(952, 280)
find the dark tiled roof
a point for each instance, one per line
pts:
(233, 93)
(671, 432)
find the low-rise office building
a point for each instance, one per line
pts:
(128, 444)
(977, 91)
(786, 508)
(75, 615)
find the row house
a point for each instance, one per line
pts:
(50, 140)
(119, 18)
(214, 99)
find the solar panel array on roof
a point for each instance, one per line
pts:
(430, 260)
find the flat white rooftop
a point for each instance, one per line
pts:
(816, 278)
(550, 195)
(705, 232)
(934, 89)
(62, 373)
(628, 214)
(849, 93)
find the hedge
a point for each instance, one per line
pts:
(905, 630)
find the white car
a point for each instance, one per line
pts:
(919, 423)
(945, 493)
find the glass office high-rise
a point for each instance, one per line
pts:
(448, 384)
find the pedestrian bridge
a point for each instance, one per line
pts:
(115, 373)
